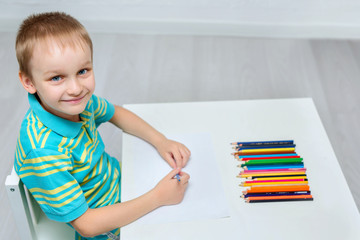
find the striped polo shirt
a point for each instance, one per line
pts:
(64, 164)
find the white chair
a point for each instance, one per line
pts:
(32, 223)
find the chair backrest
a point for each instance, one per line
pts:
(32, 224)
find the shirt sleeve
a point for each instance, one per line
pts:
(46, 174)
(103, 110)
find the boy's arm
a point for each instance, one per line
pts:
(176, 154)
(101, 220)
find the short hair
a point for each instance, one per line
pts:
(38, 28)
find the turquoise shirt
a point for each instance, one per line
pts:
(64, 164)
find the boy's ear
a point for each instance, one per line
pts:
(27, 83)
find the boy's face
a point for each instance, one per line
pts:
(62, 77)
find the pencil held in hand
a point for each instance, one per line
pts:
(170, 190)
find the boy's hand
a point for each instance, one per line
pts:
(174, 153)
(169, 190)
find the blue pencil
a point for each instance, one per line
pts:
(264, 167)
(263, 143)
(266, 146)
(177, 176)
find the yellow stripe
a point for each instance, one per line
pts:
(45, 158)
(45, 166)
(90, 192)
(99, 168)
(63, 141)
(55, 190)
(29, 132)
(21, 148)
(78, 141)
(45, 138)
(45, 173)
(86, 113)
(35, 131)
(90, 155)
(101, 111)
(80, 169)
(84, 154)
(58, 198)
(98, 107)
(70, 143)
(98, 190)
(110, 191)
(58, 205)
(91, 150)
(19, 154)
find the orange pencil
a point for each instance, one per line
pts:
(278, 189)
(279, 197)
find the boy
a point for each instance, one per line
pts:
(60, 156)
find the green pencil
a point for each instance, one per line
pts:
(272, 161)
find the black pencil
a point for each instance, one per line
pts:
(275, 194)
(279, 200)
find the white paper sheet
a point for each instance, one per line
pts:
(204, 198)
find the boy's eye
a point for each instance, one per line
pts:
(82, 72)
(56, 78)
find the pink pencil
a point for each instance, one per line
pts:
(273, 170)
(283, 180)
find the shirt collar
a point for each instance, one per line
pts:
(57, 124)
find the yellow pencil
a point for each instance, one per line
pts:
(273, 183)
(267, 150)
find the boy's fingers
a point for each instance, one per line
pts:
(185, 157)
(170, 160)
(173, 173)
(177, 158)
(184, 177)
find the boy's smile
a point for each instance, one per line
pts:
(62, 77)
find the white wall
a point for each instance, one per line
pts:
(268, 18)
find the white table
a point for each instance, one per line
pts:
(333, 213)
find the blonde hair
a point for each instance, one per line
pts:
(38, 28)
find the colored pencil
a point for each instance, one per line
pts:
(279, 200)
(264, 147)
(272, 161)
(273, 170)
(275, 194)
(267, 155)
(271, 174)
(237, 154)
(270, 157)
(273, 184)
(267, 150)
(277, 176)
(275, 180)
(278, 189)
(279, 197)
(263, 167)
(263, 143)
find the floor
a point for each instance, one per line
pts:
(151, 68)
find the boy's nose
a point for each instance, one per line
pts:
(74, 87)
